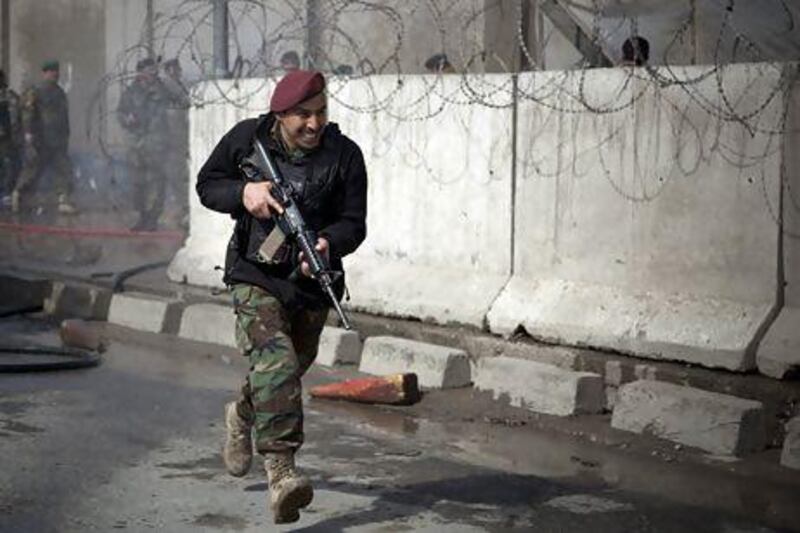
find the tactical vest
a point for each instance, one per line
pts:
(310, 181)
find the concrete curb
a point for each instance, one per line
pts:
(717, 423)
(338, 346)
(540, 387)
(78, 300)
(437, 367)
(219, 327)
(209, 323)
(17, 292)
(145, 312)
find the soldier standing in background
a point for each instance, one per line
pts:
(45, 127)
(290, 61)
(177, 156)
(142, 111)
(10, 138)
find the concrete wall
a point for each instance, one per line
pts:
(225, 103)
(791, 203)
(646, 226)
(779, 353)
(439, 195)
(646, 229)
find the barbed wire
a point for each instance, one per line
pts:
(701, 107)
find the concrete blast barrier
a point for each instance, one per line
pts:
(717, 423)
(648, 229)
(779, 353)
(225, 103)
(644, 216)
(439, 216)
(439, 166)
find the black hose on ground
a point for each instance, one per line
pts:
(73, 358)
(118, 278)
(5, 313)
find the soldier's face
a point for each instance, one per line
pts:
(149, 73)
(303, 125)
(50, 75)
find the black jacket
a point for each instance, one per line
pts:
(331, 186)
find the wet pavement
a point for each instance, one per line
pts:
(90, 245)
(134, 445)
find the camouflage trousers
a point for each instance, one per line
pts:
(37, 161)
(281, 347)
(149, 180)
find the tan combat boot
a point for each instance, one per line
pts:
(64, 207)
(15, 201)
(289, 491)
(238, 451)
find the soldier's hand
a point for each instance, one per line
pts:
(258, 200)
(322, 247)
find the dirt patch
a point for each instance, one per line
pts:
(211, 462)
(220, 521)
(200, 476)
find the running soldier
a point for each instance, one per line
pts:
(280, 314)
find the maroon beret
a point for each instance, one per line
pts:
(294, 88)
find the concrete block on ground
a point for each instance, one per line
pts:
(209, 323)
(540, 387)
(718, 423)
(790, 456)
(436, 367)
(18, 292)
(78, 300)
(338, 346)
(551, 355)
(144, 312)
(778, 353)
(656, 292)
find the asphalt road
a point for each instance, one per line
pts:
(134, 445)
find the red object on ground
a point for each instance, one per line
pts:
(397, 389)
(91, 232)
(77, 333)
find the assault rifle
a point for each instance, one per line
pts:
(294, 227)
